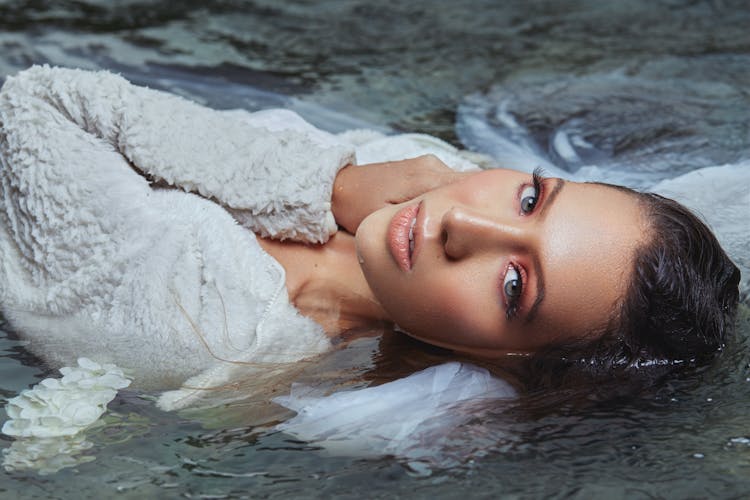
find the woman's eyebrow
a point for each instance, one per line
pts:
(548, 200)
(546, 203)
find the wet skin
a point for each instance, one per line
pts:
(500, 266)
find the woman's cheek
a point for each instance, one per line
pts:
(442, 314)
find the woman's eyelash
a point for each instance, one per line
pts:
(512, 302)
(530, 194)
(511, 311)
(537, 178)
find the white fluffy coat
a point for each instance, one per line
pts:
(96, 260)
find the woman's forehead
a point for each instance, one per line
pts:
(589, 245)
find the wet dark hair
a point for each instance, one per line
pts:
(678, 310)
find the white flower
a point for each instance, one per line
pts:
(66, 406)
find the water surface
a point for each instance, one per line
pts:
(644, 90)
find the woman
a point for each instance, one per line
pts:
(99, 261)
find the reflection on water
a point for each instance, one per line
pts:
(402, 63)
(642, 89)
(635, 126)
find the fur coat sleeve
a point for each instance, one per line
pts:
(97, 261)
(272, 170)
(101, 258)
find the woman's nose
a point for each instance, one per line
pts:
(466, 232)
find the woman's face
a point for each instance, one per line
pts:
(496, 263)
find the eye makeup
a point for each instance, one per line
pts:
(512, 289)
(515, 276)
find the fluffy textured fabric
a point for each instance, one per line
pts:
(95, 261)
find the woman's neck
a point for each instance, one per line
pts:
(326, 284)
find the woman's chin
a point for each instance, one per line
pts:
(369, 240)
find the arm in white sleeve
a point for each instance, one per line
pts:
(276, 180)
(95, 262)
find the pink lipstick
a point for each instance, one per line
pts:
(401, 235)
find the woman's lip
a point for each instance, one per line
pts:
(402, 223)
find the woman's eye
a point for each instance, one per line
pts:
(528, 199)
(512, 284)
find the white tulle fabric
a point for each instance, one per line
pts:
(410, 417)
